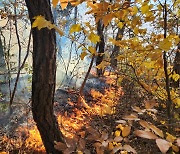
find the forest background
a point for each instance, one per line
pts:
(116, 61)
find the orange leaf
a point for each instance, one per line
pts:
(144, 124)
(157, 131)
(145, 134)
(55, 2)
(175, 148)
(64, 4)
(128, 148)
(163, 145)
(126, 131)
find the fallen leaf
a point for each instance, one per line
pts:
(118, 138)
(105, 143)
(131, 117)
(156, 130)
(121, 121)
(178, 142)
(145, 134)
(144, 124)
(82, 144)
(170, 138)
(60, 146)
(110, 146)
(117, 133)
(126, 131)
(150, 104)
(175, 148)
(137, 109)
(163, 145)
(128, 148)
(104, 136)
(117, 148)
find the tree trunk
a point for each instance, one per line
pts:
(100, 46)
(116, 48)
(44, 73)
(176, 68)
(2, 64)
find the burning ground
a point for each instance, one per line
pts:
(111, 119)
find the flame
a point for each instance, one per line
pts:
(70, 123)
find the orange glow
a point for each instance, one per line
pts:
(70, 123)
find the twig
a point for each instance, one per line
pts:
(18, 74)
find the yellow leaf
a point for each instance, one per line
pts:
(110, 146)
(175, 148)
(103, 65)
(136, 30)
(92, 50)
(175, 76)
(165, 44)
(55, 2)
(40, 22)
(120, 25)
(162, 122)
(117, 133)
(83, 54)
(177, 102)
(75, 28)
(170, 138)
(120, 126)
(126, 131)
(94, 38)
(64, 4)
(145, 9)
(58, 30)
(134, 10)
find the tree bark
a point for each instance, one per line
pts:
(2, 63)
(176, 68)
(44, 75)
(116, 48)
(100, 46)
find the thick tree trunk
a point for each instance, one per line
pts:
(44, 73)
(100, 46)
(115, 51)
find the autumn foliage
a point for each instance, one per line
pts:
(141, 102)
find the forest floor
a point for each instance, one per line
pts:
(107, 122)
